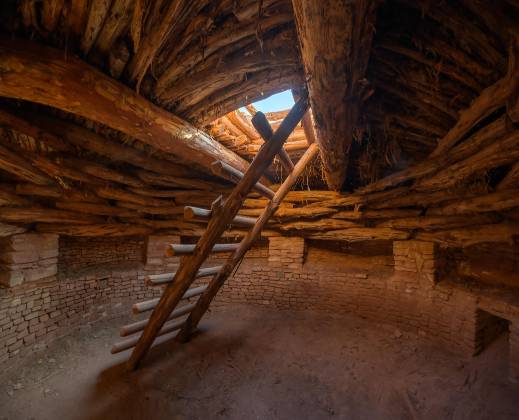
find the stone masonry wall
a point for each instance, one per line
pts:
(78, 255)
(27, 257)
(403, 289)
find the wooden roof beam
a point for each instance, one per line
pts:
(44, 75)
(335, 40)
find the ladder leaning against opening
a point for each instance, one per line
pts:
(222, 214)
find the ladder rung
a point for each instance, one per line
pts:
(148, 305)
(184, 249)
(130, 329)
(226, 171)
(131, 342)
(196, 213)
(159, 279)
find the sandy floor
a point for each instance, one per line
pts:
(253, 363)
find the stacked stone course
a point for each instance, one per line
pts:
(283, 274)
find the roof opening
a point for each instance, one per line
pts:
(278, 102)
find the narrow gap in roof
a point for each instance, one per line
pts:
(281, 101)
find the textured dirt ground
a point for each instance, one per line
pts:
(256, 363)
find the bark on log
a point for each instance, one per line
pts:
(335, 40)
(489, 100)
(41, 74)
(111, 229)
(498, 201)
(362, 234)
(503, 232)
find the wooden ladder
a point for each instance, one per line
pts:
(223, 213)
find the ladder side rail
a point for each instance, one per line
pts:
(217, 282)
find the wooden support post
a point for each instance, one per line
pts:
(184, 249)
(262, 126)
(223, 215)
(205, 300)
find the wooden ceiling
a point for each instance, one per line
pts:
(108, 104)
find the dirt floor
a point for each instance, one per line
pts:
(255, 363)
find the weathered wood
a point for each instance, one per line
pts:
(153, 40)
(489, 100)
(107, 229)
(501, 232)
(225, 171)
(319, 225)
(263, 127)
(361, 234)
(103, 172)
(114, 24)
(98, 11)
(103, 146)
(185, 249)
(26, 126)
(139, 325)
(502, 151)
(8, 230)
(217, 282)
(497, 201)
(223, 215)
(196, 213)
(335, 40)
(41, 214)
(148, 305)
(439, 222)
(95, 208)
(375, 214)
(113, 193)
(160, 279)
(13, 162)
(41, 74)
(131, 342)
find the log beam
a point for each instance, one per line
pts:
(335, 40)
(44, 75)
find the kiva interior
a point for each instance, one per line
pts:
(268, 209)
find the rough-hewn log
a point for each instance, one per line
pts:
(103, 146)
(26, 126)
(109, 229)
(113, 193)
(15, 164)
(482, 138)
(98, 11)
(161, 279)
(439, 222)
(492, 98)
(375, 214)
(8, 230)
(225, 171)
(317, 225)
(95, 208)
(46, 215)
(361, 234)
(502, 232)
(335, 40)
(498, 201)
(503, 151)
(40, 74)
(103, 172)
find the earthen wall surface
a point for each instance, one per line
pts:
(402, 288)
